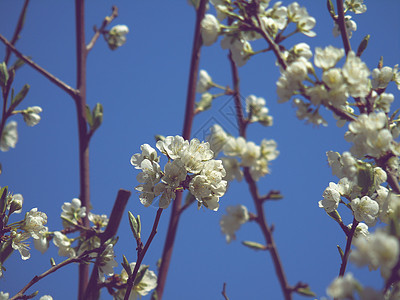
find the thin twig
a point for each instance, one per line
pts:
(107, 20)
(261, 220)
(224, 291)
(187, 127)
(142, 253)
(18, 29)
(348, 247)
(342, 26)
(42, 71)
(37, 278)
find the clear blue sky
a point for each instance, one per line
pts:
(142, 87)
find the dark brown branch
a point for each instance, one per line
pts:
(348, 247)
(80, 101)
(142, 253)
(111, 230)
(42, 71)
(18, 29)
(107, 20)
(341, 22)
(37, 278)
(187, 127)
(224, 292)
(260, 219)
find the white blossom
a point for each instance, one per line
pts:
(342, 287)
(255, 108)
(148, 152)
(361, 230)
(331, 197)
(240, 48)
(230, 223)
(42, 243)
(204, 82)
(378, 250)
(73, 212)
(4, 296)
(107, 262)
(365, 209)
(64, 244)
(18, 243)
(31, 115)
(356, 73)
(209, 30)
(217, 139)
(14, 203)
(328, 57)
(172, 146)
(232, 169)
(34, 223)
(381, 77)
(145, 286)
(117, 36)
(99, 221)
(9, 137)
(350, 27)
(355, 6)
(46, 297)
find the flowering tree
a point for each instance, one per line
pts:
(203, 163)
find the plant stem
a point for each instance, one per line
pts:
(187, 126)
(342, 26)
(80, 101)
(18, 29)
(142, 253)
(258, 201)
(348, 246)
(69, 90)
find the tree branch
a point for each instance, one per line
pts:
(18, 29)
(69, 90)
(187, 127)
(107, 20)
(348, 246)
(342, 26)
(142, 253)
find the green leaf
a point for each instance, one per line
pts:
(140, 275)
(97, 116)
(254, 245)
(3, 199)
(366, 179)
(3, 75)
(89, 118)
(52, 262)
(18, 64)
(306, 292)
(331, 8)
(20, 96)
(134, 226)
(154, 296)
(340, 251)
(125, 264)
(363, 45)
(336, 216)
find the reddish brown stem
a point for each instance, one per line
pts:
(80, 101)
(348, 247)
(342, 26)
(187, 127)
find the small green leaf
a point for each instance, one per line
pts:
(125, 264)
(33, 295)
(276, 196)
(134, 226)
(52, 262)
(140, 275)
(3, 199)
(18, 64)
(340, 252)
(20, 96)
(254, 245)
(154, 296)
(306, 292)
(331, 8)
(3, 75)
(363, 45)
(139, 224)
(336, 216)
(89, 118)
(97, 116)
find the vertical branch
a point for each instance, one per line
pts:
(261, 220)
(187, 127)
(80, 101)
(342, 26)
(348, 247)
(18, 28)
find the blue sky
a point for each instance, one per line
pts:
(142, 87)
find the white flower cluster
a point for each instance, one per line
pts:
(145, 286)
(272, 20)
(230, 223)
(9, 137)
(191, 166)
(251, 155)
(31, 115)
(343, 287)
(116, 37)
(371, 136)
(379, 249)
(257, 111)
(72, 213)
(360, 183)
(356, 6)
